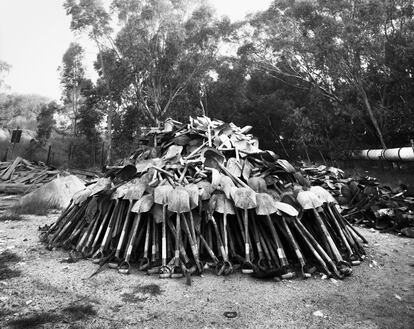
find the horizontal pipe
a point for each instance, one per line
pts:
(394, 154)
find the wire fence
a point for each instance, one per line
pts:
(76, 153)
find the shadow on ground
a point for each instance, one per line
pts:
(8, 258)
(68, 314)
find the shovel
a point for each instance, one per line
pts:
(178, 202)
(292, 212)
(161, 197)
(133, 193)
(144, 262)
(224, 206)
(316, 249)
(309, 201)
(99, 254)
(329, 202)
(193, 192)
(266, 207)
(143, 205)
(245, 198)
(224, 266)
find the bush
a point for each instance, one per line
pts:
(34, 207)
(10, 216)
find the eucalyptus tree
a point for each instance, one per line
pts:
(72, 75)
(333, 46)
(158, 50)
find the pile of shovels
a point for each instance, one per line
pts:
(365, 201)
(201, 197)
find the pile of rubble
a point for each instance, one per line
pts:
(20, 176)
(203, 196)
(365, 201)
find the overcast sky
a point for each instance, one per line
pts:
(34, 34)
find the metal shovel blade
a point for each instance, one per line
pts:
(161, 194)
(258, 184)
(286, 209)
(266, 205)
(244, 198)
(223, 205)
(179, 200)
(308, 200)
(323, 194)
(144, 204)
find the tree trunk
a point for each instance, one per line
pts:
(109, 126)
(110, 111)
(372, 116)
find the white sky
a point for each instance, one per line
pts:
(34, 34)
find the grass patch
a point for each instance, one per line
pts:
(34, 207)
(79, 312)
(7, 258)
(132, 298)
(150, 289)
(10, 216)
(140, 293)
(34, 320)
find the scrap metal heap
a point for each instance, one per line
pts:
(365, 201)
(204, 196)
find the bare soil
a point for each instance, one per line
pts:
(37, 290)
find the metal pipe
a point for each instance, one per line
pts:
(394, 154)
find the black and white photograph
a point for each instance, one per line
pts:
(207, 164)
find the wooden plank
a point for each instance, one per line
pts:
(10, 188)
(8, 172)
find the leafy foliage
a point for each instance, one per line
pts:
(46, 122)
(20, 110)
(309, 76)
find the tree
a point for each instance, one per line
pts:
(72, 75)
(166, 45)
(45, 121)
(4, 68)
(161, 51)
(20, 109)
(331, 45)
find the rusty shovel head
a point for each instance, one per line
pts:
(192, 190)
(258, 184)
(101, 184)
(226, 185)
(286, 209)
(161, 193)
(144, 204)
(211, 157)
(222, 204)
(204, 190)
(179, 200)
(265, 204)
(234, 167)
(308, 200)
(244, 198)
(135, 191)
(323, 194)
(81, 196)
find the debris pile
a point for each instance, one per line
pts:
(20, 175)
(204, 196)
(365, 201)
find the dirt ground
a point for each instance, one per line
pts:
(37, 290)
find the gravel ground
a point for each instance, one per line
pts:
(37, 290)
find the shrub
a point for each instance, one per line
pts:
(34, 207)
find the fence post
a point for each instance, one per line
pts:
(6, 154)
(48, 155)
(94, 153)
(70, 153)
(102, 154)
